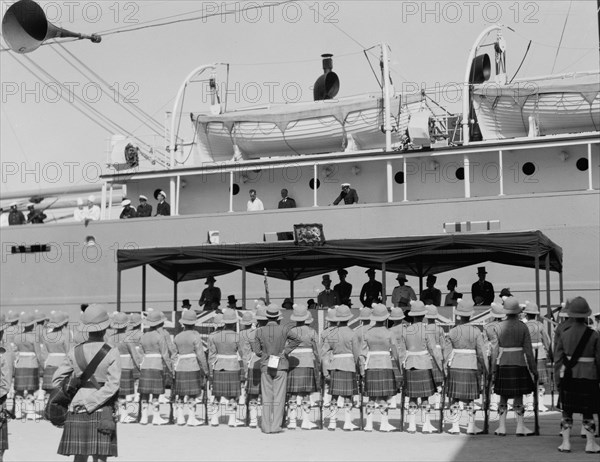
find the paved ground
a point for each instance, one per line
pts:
(38, 441)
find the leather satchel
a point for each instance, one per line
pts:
(60, 398)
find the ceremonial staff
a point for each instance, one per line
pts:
(487, 384)
(536, 430)
(361, 391)
(443, 401)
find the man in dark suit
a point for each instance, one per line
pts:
(273, 343)
(144, 209)
(482, 290)
(286, 202)
(349, 195)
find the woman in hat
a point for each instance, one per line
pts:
(379, 350)
(465, 366)
(577, 363)
(252, 384)
(490, 335)
(163, 209)
(130, 360)
(304, 369)
(90, 428)
(342, 369)
(5, 384)
(191, 369)
(540, 342)
(513, 362)
(28, 366)
(57, 342)
(152, 375)
(418, 356)
(224, 358)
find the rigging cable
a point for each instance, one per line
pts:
(561, 35)
(522, 61)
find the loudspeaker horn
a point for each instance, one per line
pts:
(25, 28)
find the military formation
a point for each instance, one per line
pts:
(291, 376)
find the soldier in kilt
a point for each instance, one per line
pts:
(156, 358)
(514, 366)
(252, 385)
(540, 341)
(490, 335)
(191, 369)
(6, 371)
(130, 360)
(440, 344)
(579, 382)
(171, 348)
(465, 366)
(57, 341)
(376, 367)
(28, 367)
(329, 331)
(224, 358)
(419, 356)
(303, 369)
(90, 427)
(342, 370)
(398, 319)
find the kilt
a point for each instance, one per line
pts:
(301, 380)
(136, 374)
(419, 383)
(168, 377)
(48, 374)
(126, 386)
(343, 383)
(81, 437)
(151, 381)
(379, 383)
(27, 378)
(543, 373)
(188, 383)
(4, 437)
(438, 376)
(579, 396)
(253, 385)
(226, 384)
(512, 381)
(464, 384)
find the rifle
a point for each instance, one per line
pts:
(402, 395)
(443, 401)
(486, 401)
(247, 403)
(321, 386)
(552, 384)
(536, 430)
(205, 401)
(361, 391)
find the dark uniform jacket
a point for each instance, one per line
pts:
(351, 197)
(483, 294)
(16, 217)
(163, 209)
(370, 293)
(287, 203)
(144, 210)
(128, 212)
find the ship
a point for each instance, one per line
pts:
(509, 163)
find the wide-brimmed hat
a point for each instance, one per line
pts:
(210, 279)
(58, 319)
(188, 317)
(119, 321)
(247, 318)
(95, 318)
(511, 306)
(40, 316)
(261, 313)
(288, 301)
(273, 311)
(300, 312)
(229, 316)
(401, 277)
(218, 320)
(578, 308)
(464, 308)
(309, 320)
(125, 202)
(342, 271)
(12, 316)
(154, 318)
(417, 308)
(481, 270)
(186, 303)
(27, 319)
(396, 314)
(497, 311)
(326, 278)
(380, 312)
(343, 313)
(135, 319)
(330, 316)
(531, 308)
(432, 312)
(365, 314)
(161, 192)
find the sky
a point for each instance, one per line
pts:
(273, 54)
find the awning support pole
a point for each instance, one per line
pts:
(118, 290)
(537, 278)
(315, 180)
(144, 288)
(383, 284)
(244, 288)
(501, 172)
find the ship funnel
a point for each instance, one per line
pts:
(25, 28)
(481, 69)
(327, 85)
